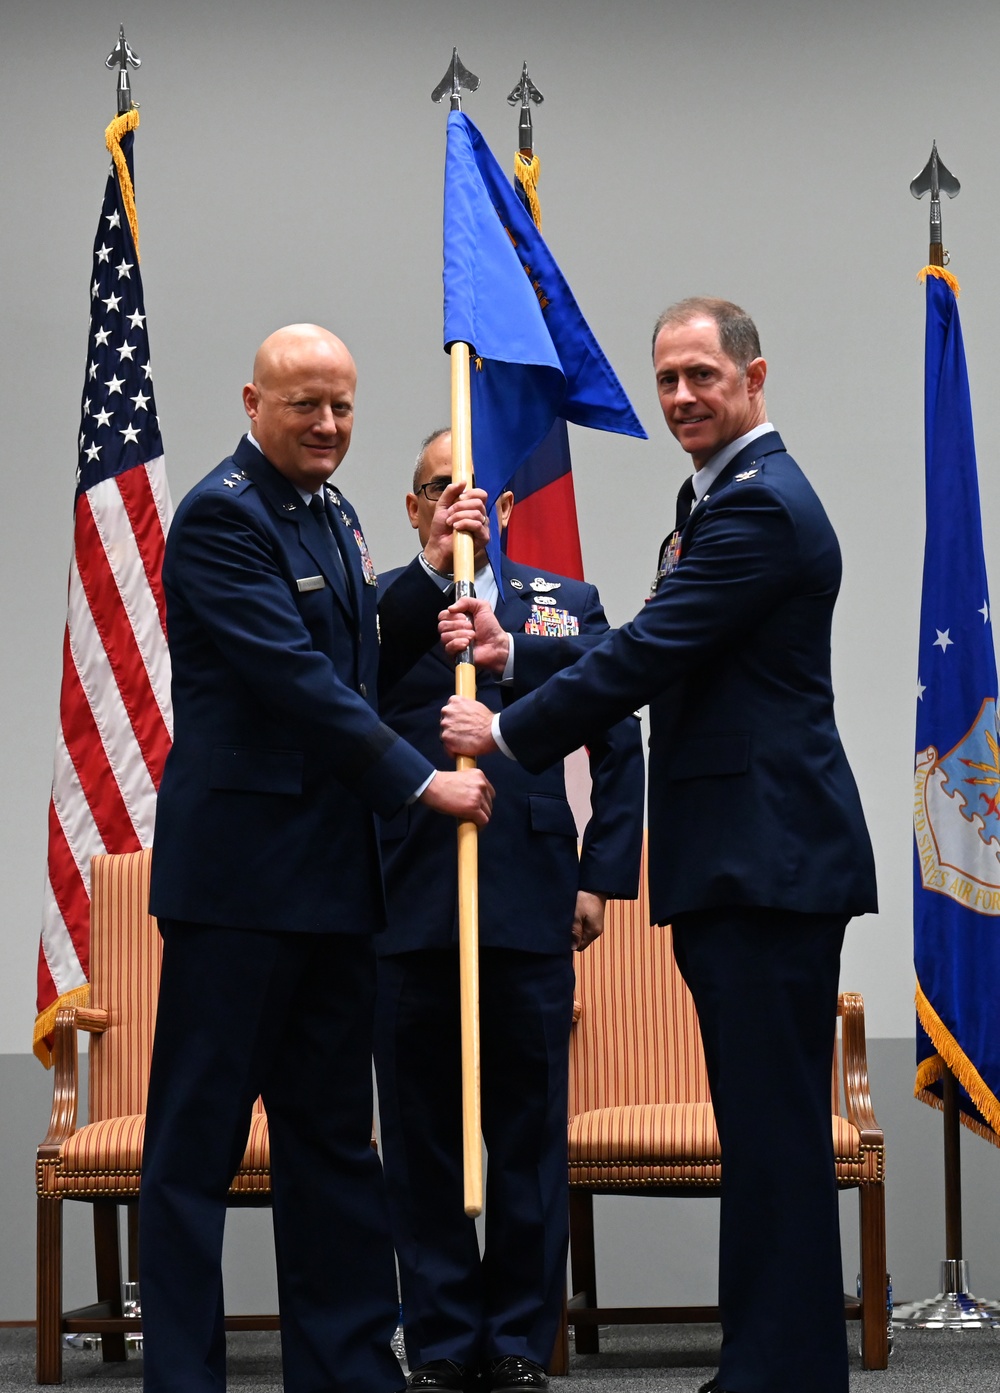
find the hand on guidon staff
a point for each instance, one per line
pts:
(466, 727)
(473, 621)
(457, 510)
(588, 920)
(463, 793)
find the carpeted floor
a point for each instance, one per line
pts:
(641, 1359)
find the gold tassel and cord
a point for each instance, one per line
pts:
(527, 172)
(113, 137)
(950, 1053)
(950, 281)
(45, 1022)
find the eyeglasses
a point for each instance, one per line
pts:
(434, 488)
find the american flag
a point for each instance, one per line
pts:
(115, 724)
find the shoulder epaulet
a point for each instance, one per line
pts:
(234, 480)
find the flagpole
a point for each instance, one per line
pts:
(954, 1307)
(464, 570)
(468, 833)
(526, 172)
(953, 1243)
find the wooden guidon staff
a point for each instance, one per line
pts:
(453, 81)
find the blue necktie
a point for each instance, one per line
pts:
(318, 509)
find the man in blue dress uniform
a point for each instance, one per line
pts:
(539, 897)
(758, 850)
(267, 883)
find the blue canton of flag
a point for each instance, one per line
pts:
(956, 896)
(534, 355)
(119, 426)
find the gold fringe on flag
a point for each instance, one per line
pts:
(45, 1023)
(113, 137)
(950, 1053)
(950, 281)
(526, 172)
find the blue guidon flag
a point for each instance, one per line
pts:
(535, 358)
(956, 813)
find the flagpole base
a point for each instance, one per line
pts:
(954, 1307)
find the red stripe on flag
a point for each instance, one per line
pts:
(140, 506)
(115, 632)
(543, 530)
(46, 992)
(83, 741)
(70, 895)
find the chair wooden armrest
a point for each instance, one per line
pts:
(65, 1083)
(66, 1073)
(860, 1113)
(92, 1019)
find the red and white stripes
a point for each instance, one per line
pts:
(114, 713)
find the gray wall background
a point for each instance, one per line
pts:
(289, 166)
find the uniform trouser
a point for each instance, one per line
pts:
(457, 1305)
(765, 986)
(287, 1016)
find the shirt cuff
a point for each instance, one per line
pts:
(508, 668)
(422, 789)
(501, 743)
(443, 583)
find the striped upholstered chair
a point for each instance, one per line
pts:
(641, 1120)
(100, 1162)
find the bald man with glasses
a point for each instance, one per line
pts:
(490, 1323)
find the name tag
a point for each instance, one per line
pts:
(310, 583)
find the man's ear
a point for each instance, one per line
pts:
(251, 400)
(505, 504)
(412, 509)
(755, 374)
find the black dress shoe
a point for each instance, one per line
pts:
(512, 1374)
(712, 1386)
(439, 1376)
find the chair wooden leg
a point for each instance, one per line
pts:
(583, 1264)
(107, 1252)
(48, 1293)
(559, 1361)
(874, 1332)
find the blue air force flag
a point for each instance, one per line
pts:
(534, 355)
(956, 816)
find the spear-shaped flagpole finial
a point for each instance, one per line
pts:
(935, 178)
(457, 77)
(123, 57)
(525, 92)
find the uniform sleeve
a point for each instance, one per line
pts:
(407, 612)
(611, 853)
(741, 564)
(225, 568)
